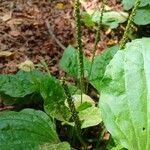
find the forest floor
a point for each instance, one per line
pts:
(24, 33)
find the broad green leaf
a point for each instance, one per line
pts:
(88, 113)
(142, 16)
(70, 64)
(18, 88)
(91, 15)
(128, 4)
(26, 130)
(125, 96)
(113, 145)
(90, 117)
(3, 80)
(73, 89)
(118, 147)
(87, 19)
(84, 106)
(99, 66)
(19, 85)
(54, 98)
(69, 61)
(111, 18)
(24, 83)
(59, 146)
(77, 100)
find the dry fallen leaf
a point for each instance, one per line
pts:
(7, 16)
(26, 66)
(112, 42)
(15, 33)
(91, 6)
(5, 54)
(60, 6)
(15, 21)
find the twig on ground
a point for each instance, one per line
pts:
(7, 108)
(53, 36)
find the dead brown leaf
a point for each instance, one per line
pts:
(5, 54)
(7, 16)
(15, 33)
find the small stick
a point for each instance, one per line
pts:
(7, 108)
(53, 36)
(97, 37)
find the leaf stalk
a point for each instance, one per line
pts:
(97, 36)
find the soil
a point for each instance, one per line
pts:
(24, 34)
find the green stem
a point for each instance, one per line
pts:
(97, 37)
(129, 24)
(45, 66)
(74, 114)
(102, 131)
(80, 49)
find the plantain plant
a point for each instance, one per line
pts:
(121, 78)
